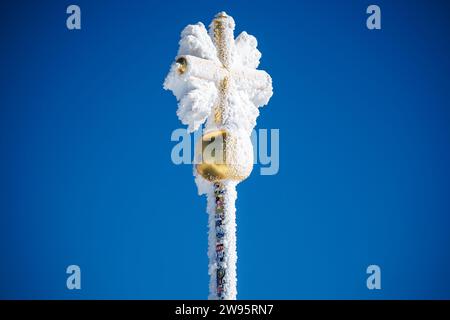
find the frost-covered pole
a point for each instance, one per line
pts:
(222, 240)
(216, 82)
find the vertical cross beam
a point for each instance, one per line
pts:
(223, 40)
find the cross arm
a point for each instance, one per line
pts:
(191, 66)
(256, 83)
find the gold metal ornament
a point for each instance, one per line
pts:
(181, 65)
(219, 158)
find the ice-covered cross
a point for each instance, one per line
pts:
(216, 82)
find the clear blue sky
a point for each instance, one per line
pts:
(86, 176)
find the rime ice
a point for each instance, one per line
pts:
(217, 84)
(197, 89)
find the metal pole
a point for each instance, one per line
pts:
(222, 241)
